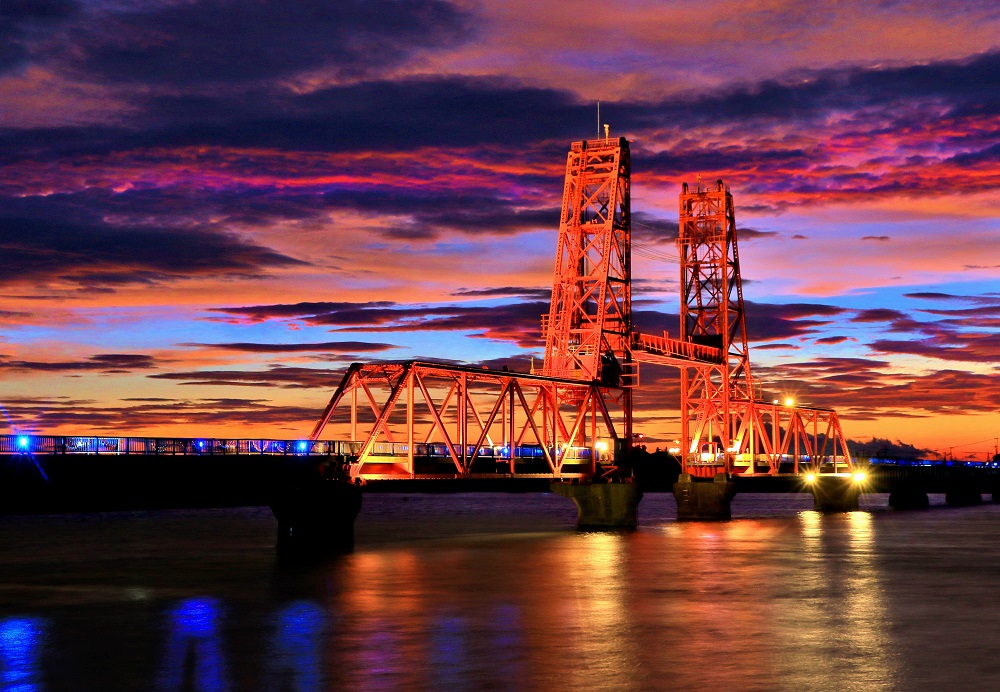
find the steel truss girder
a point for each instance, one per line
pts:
(591, 309)
(748, 437)
(473, 413)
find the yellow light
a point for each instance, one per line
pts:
(602, 446)
(860, 477)
(810, 477)
(789, 401)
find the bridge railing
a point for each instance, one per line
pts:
(161, 446)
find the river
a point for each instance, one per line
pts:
(495, 591)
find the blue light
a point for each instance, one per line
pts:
(195, 647)
(23, 442)
(296, 651)
(302, 446)
(201, 444)
(21, 640)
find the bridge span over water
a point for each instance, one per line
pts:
(567, 426)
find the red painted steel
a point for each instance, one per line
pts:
(724, 427)
(589, 325)
(415, 419)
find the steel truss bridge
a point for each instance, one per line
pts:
(576, 409)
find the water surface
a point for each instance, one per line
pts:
(495, 591)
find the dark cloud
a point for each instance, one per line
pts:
(878, 315)
(833, 340)
(773, 322)
(983, 311)
(749, 234)
(108, 363)
(969, 347)
(138, 416)
(803, 95)
(66, 245)
(930, 295)
(504, 291)
(25, 22)
(303, 311)
(225, 41)
(274, 376)
(322, 347)
(765, 321)
(721, 158)
(519, 323)
(877, 238)
(426, 213)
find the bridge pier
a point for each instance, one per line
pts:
(908, 497)
(835, 494)
(963, 494)
(316, 515)
(703, 498)
(602, 505)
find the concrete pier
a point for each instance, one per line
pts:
(835, 493)
(603, 505)
(316, 516)
(908, 497)
(704, 498)
(963, 494)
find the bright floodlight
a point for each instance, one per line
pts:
(22, 442)
(860, 477)
(810, 477)
(789, 401)
(302, 446)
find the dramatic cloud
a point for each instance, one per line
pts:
(323, 347)
(275, 376)
(966, 347)
(878, 315)
(107, 363)
(212, 41)
(97, 254)
(26, 22)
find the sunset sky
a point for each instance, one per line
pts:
(209, 207)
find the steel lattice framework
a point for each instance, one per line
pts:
(712, 311)
(589, 325)
(724, 427)
(417, 419)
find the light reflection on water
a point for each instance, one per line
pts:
(779, 600)
(21, 642)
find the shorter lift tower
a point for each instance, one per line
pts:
(724, 428)
(712, 314)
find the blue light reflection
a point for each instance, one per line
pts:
(194, 650)
(295, 660)
(21, 640)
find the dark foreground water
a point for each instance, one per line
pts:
(500, 592)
